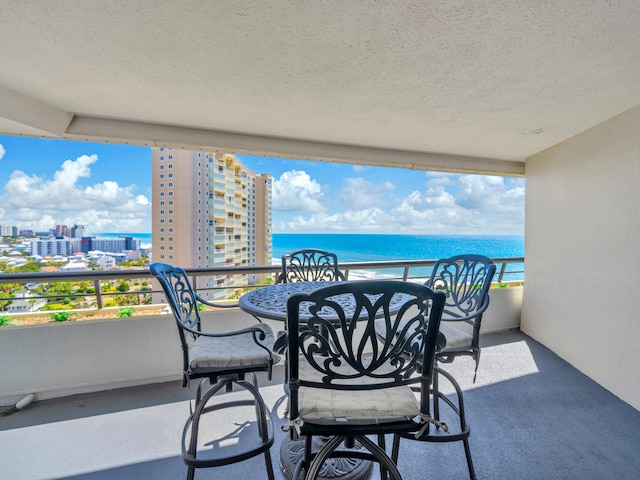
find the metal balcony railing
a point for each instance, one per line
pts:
(509, 269)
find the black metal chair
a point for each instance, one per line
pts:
(223, 358)
(466, 280)
(309, 265)
(345, 382)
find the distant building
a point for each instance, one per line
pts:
(77, 231)
(24, 303)
(119, 244)
(62, 231)
(108, 244)
(6, 231)
(106, 262)
(131, 243)
(55, 246)
(133, 254)
(75, 266)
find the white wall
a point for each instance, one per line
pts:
(58, 359)
(582, 247)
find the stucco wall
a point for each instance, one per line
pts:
(59, 359)
(582, 247)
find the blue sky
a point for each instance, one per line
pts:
(107, 188)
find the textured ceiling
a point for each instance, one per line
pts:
(491, 82)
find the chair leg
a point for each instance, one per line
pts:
(476, 357)
(436, 396)
(386, 463)
(395, 450)
(464, 427)
(268, 464)
(379, 454)
(262, 418)
(467, 452)
(321, 456)
(383, 445)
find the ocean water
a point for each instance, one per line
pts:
(362, 248)
(359, 248)
(366, 247)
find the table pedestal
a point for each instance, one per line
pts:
(292, 452)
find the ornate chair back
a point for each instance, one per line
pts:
(465, 279)
(309, 265)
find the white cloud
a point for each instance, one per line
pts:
(297, 191)
(361, 193)
(34, 202)
(371, 220)
(2, 151)
(449, 204)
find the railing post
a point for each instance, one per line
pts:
(502, 269)
(96, 285)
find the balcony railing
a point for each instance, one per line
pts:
(509, 269)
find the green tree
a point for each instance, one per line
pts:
(30, 267)
(83, 286)
(6, 290)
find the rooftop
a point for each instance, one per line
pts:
(530, 412)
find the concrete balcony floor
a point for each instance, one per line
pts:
(532, 416)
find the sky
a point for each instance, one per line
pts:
(107, 188)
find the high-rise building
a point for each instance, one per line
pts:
(205, 209)
(6, 230)
(62, 231)
(77, 231)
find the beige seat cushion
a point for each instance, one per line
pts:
(358, 407)
(363, 407)
(456, 338)
(222, 353)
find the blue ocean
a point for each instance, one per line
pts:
(366, 247)
(361, 248)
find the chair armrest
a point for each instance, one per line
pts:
(216, 305)
(254, 329)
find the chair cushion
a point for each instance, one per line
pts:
(224, 353)
(359, 407)
(456, 338)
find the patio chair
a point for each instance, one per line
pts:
(466, 280)
(309, 265)
(223, 359)
(345, 383)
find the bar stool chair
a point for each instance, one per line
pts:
(224, 359)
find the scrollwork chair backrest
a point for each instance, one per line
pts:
(332, 335)
(183, 301)
(465, 279)
(309, 265)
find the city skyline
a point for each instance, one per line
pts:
(45, 182)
